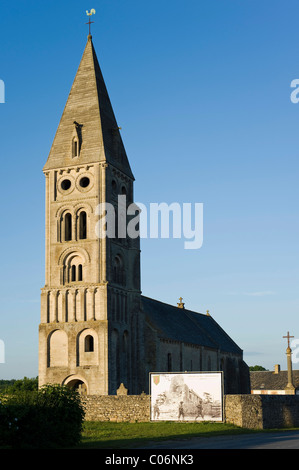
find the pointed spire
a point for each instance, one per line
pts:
(89, 109)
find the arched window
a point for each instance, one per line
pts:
(118, 271)
(75, 147)
(87, 348)
(114, 186)
(80, 272)
(57, 349)
(68, 227)
(82, 225)
(89, 343)
(74, 269)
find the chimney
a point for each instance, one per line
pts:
(276, 369)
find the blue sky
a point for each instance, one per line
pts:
(201, 89)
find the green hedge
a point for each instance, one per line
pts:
(51, 417)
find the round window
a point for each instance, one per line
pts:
(84, 182)
(66, 184)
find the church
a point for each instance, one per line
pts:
(97, 331)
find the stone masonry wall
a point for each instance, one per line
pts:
(262, 411)
(247, 411)
(117, 408)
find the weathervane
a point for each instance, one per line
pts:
(89, 13)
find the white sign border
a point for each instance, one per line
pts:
(188, 373)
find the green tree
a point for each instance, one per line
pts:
(24, 384)
(254, 368)
(51, 417)
(13, 385)
(6, 384)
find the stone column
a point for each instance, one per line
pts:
(48, 236)
(290, 389)
(72, 305)
(91, 313)
(103, 241)
(63, 314)
(53, 306)
(44, 307)
(83, 310)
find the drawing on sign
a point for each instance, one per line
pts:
(186, 396)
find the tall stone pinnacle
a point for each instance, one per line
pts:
(88, 115)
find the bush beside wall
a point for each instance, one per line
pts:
(48, 418)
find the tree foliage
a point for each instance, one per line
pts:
(50, 417)
(256, 368)
(13, 385)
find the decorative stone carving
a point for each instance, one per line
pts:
(122, 390)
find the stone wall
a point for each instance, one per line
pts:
(246, 411)
(117, 407)
(262, 411)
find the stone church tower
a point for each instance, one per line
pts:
(97, 330)
(90, 304)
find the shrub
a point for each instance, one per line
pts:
(50, 417)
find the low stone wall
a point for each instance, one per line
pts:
(117, 408)
(262, 411)
(246, 411)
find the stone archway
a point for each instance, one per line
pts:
(76, 383)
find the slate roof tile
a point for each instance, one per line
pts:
(268, 380)
(180, 324)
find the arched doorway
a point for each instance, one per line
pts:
(76, 383)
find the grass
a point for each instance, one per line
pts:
(110, 435)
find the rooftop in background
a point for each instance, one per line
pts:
(272, 380)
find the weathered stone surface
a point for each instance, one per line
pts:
(246, 411)
(122, 390)
(117, 408)
(262, 411)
